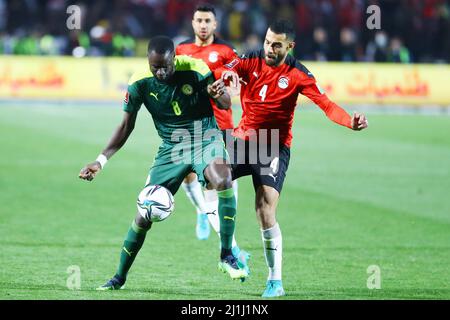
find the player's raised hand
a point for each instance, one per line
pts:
(216, 89)
(89, 171)
(359, 121)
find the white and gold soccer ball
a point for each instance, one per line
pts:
(155, 203)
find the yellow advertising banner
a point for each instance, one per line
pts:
(372, 83)
(66, 77)
(106, 79)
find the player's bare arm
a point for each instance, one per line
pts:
(118, 139)
(334, 112)
(218, 92)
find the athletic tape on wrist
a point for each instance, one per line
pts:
(102, 159)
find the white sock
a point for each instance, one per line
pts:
(235, 189)
(273, 250)
(212, 201)
(195, 194)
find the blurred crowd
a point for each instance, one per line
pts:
(327, 30)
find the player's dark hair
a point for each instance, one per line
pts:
(204, 7)
(161, 45)
(283, 26)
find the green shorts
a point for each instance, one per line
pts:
(175, 161)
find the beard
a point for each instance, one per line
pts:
(273, 60)
(204, 36)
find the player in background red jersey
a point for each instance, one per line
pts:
(216, 53)
(271, 82)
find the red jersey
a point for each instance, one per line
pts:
(270, 94)
(215, 55)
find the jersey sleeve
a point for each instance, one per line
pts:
(202, 85)
(309, 88)
(230, 54)
(185, 63)
(235, 65)
(133, 99)
(203, 71)
(204, 75)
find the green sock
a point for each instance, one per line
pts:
(227, 215)
(131, 246)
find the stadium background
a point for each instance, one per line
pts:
(351, 200)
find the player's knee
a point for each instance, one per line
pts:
(141, 222)
(265, 204)
(223, 182)
(264, 207)
(219, 175)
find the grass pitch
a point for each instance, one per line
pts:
(350, 200)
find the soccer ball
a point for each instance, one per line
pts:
(155, 203)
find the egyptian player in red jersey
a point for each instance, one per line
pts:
(216, 53)
(271, 82)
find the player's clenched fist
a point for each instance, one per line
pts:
(89, 171)
(232, 79)
(216, 89)
(359, 121)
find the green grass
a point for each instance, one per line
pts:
(350, 200)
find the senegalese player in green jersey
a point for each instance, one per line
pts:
(176, 90)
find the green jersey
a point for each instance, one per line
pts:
(182, 103)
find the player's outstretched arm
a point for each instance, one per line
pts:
(118, 139)
(335, 113)
(218, 92)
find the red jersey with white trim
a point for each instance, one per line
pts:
(270, 94)
(215, 55)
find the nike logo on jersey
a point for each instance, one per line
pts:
(228, 218)
(272, 249)
(155, 95)
(255, 74)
